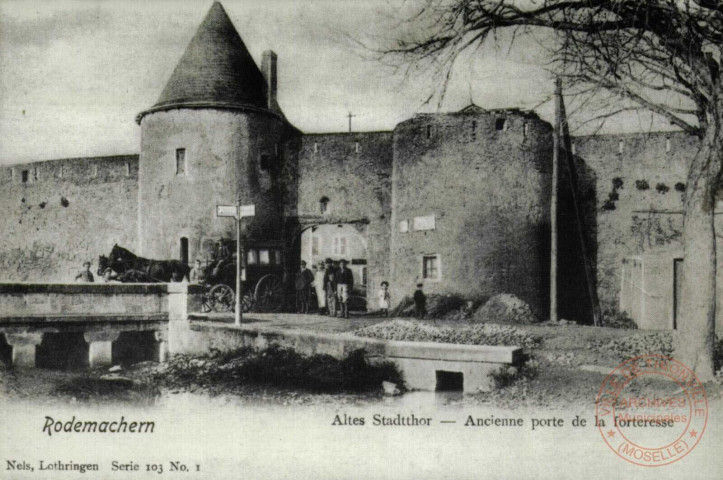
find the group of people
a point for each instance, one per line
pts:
(332, 284)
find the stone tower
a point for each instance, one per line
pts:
(214, 136)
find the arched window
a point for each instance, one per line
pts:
(324, 205)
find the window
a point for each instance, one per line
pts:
(404, 226)
(36, 174)
(474, 130)
(180, 161)
(264, 258)
(525, 128)
(430, 267)
(429, 131)
(265, 162)
(315, 245)
(500, 124)
(184, 250)
(252, 257)
(128, 169)
(324, 205)
(278, 257)
(339, 246)
(24, 176)
(427, 222)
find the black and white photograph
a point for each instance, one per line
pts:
(380, 239)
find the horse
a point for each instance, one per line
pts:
(131, 267)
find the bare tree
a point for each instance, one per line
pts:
(661, 55)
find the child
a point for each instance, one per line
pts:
(384, 298)
(420, 302)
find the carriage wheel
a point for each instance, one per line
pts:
(247, 302)
(223, 298)
(269, 294)
(207, 302)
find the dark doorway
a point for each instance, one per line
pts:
(184, 250)
(6, 351)
(677, 289)
(449, 381)
(62, 351)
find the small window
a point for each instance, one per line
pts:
(501, 124)
(430, 267)
(404, 226)
(265, 162)
(36, 173)
(252, 257)
(525, 129)
(180, 161)
(339, 245)
(315, 245)
(278, 257)
(25, 176)
(429, 131)
(324, 205)
(264, 258)
(128, 169)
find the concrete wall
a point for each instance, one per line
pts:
(354, 172)
(223, 154)
(67, 211)
(489, 191)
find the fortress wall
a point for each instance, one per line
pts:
(223, 155)
(489, 192)
(66, 212)
(353, 170)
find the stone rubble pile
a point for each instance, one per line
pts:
(627, 347)
(484, 334)
(505, 308)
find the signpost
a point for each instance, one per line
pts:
(237, 211)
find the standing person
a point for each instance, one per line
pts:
(319, 278)
(384, 298)
(198, 273)
(420, 302)
(85, 275)
(331, 300)
(304, 279)
(345, 281)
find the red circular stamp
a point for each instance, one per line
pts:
(651, 410)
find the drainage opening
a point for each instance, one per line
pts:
(449, 381)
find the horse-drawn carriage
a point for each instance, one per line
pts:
(261, 278)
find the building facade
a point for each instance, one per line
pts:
(459, 201)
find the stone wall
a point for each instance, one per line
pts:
(353, 171)
(640, 183)
(227, 154)
(65, 212)
(485, 179)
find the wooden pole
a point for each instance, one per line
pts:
(239, 291)
(553, 201)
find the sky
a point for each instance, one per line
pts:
(74, 74)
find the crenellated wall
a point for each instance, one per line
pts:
(65, 212)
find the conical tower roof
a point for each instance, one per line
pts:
(215, 70)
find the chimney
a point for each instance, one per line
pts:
(268, 67)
